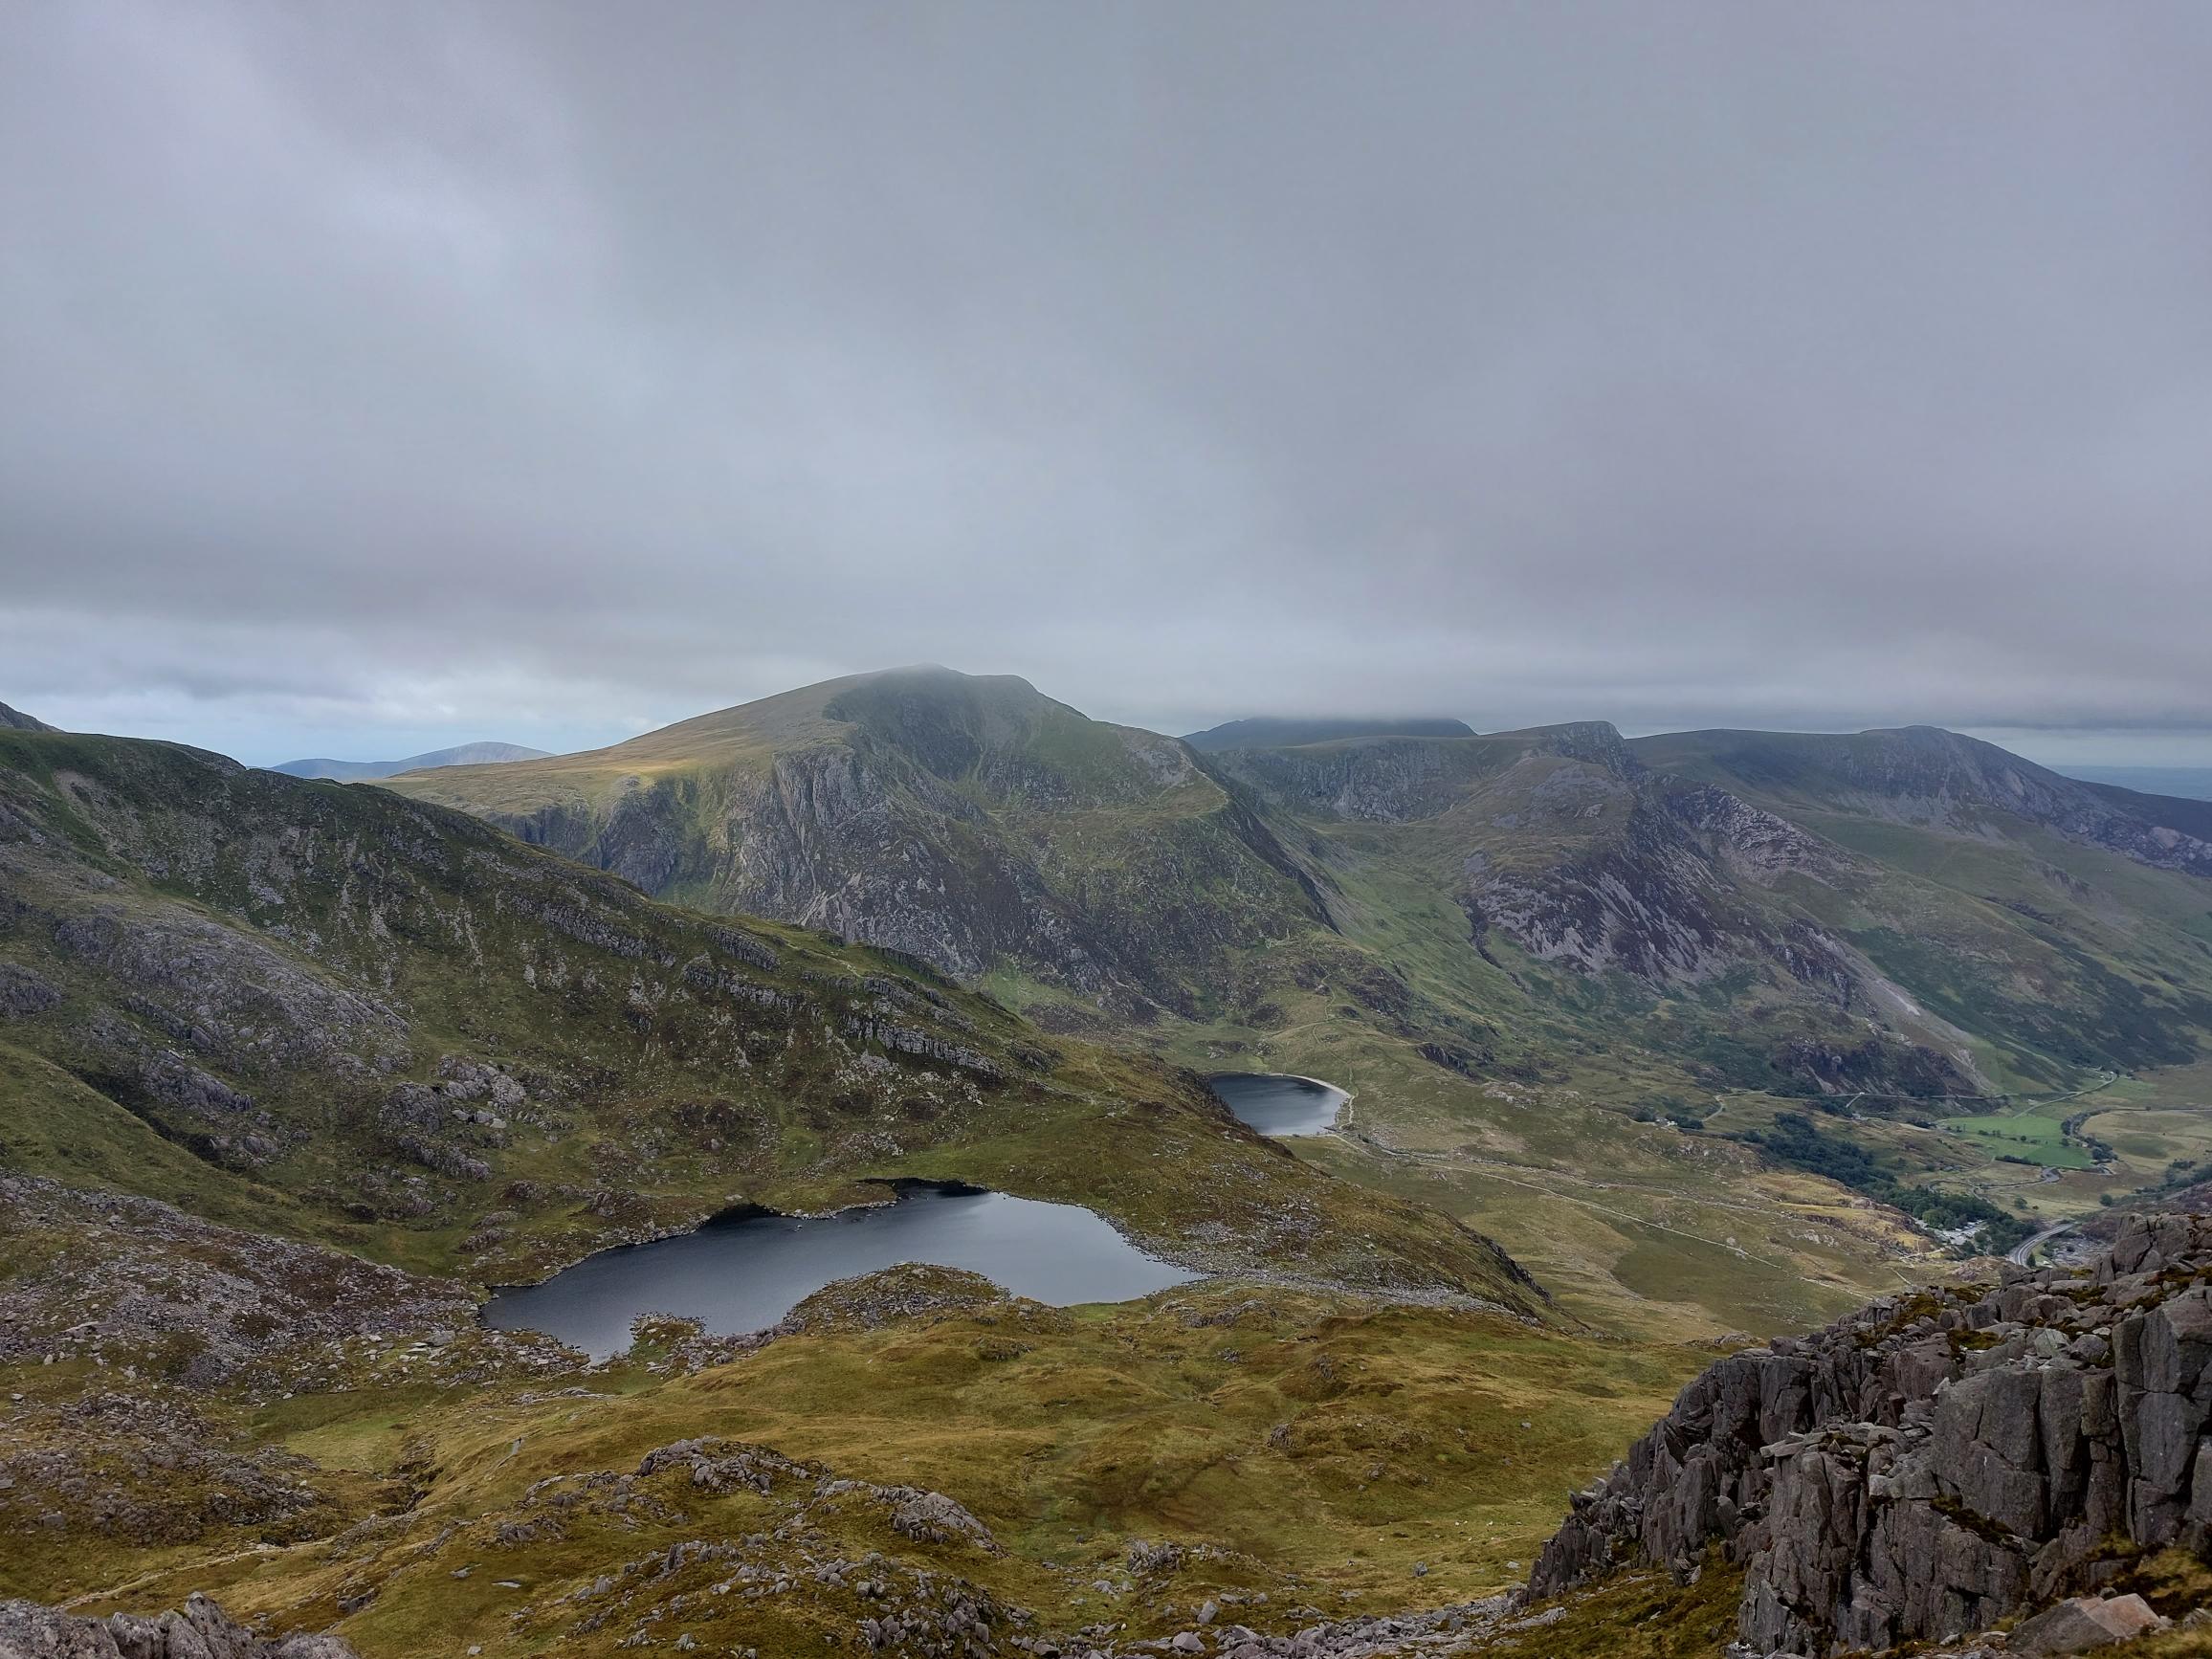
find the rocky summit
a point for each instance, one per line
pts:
(1928, 1467)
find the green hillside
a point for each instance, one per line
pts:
(1572, 980)
(325, 1011)
(970, 822)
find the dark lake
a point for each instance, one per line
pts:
(1278, 1105)
(745, 1274)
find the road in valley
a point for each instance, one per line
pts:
(2020, 1252)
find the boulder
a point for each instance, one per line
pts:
(2083, 1621)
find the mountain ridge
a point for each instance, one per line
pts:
(979, 824)
(1275, 732)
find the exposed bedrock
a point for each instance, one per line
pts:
(203, 1630)
(1934, 1462)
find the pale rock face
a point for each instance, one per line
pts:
(1926, 1468)
(2085, 1621)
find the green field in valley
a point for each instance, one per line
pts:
(2025, 1136)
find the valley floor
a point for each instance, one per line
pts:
(1672, 1231)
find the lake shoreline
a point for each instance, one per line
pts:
(1281, 1105)
(743, 1269)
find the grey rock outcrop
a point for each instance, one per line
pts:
(24, 993)
(2081, 1623)
(1933, 1463)
(204, 1306)
(922, 1045)
(202, 1630)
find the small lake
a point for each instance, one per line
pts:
(738, 1275)
(1277, 1105)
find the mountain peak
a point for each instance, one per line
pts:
(1595, 742)
(16, 720)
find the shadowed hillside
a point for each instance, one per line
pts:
(971, 822)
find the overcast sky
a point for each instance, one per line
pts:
(377, 376)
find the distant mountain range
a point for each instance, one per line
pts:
(1266, 733)
(2189, 783)
(1908, 911)
(462, 755)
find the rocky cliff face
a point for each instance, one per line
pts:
(1922, 774)
(1574, 850)
(1666, 893)
(970, 822)
(1934, 1463)
(1813, 885)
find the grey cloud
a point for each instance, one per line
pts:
(536, 370)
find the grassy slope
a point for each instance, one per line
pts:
(655, 1100)
(1301, 1446)
(56, 1126)
(1637, 1224)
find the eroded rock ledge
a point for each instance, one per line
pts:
(203, 1630)
(1934, 1462)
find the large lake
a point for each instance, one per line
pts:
(745, 1274)
(1276, 1105)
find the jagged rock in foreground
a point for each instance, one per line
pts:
(1934, 1462)
(203, 1630)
